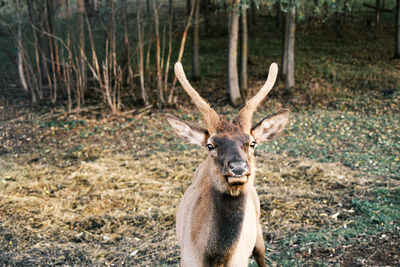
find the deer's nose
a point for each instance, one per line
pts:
(238, 167)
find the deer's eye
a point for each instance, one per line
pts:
(253, 144)
(210, 147)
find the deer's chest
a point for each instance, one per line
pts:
(232, 217)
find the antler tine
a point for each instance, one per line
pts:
(245, 116)
(210, 116)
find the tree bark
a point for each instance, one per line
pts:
(148, 3)
(171, 21)
(285, 42)
(126, 61)
(53, 50)
(67, 70)
(253, 12)
(160, 96)
(43, 46)
(278, 11)
(20, 53)
(127, 50)
(244, 50)
(143, 92)
(290, 81)
(37, 48)
(188, 6)
(397, 38)
(204, 7)
(233, 81)
(111, 69)
(181, 49)
(378, 14)
(171, 10)
(383, 9)
(82, 63)
(195, 43)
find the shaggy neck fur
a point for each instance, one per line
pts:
(227, 213)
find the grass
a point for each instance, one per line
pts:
(377, 216)
(369, 143)
(112, 192)
(365, 142)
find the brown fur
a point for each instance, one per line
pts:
(218, 217)
(215, 216)
(202, 207)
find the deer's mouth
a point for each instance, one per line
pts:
(237, 179)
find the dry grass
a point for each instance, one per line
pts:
(121, 208)
(105, 191)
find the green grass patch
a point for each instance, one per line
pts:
(380, 214)
(366, 142)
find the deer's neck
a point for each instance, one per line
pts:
(228, 214)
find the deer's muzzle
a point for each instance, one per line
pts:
(237, 172)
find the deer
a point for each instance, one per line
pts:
(218, 218)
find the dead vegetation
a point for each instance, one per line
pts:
(109, 207)
(104, 191)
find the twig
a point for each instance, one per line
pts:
(137, 111)
(374, 7)
(171, 95)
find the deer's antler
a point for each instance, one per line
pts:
(245, 115)
(210, 116)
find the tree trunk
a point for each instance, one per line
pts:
(53, 50)
(143, 92)
(148, 3)
(171, 21)
(397, 39)
(290, 82)
(195, 43)
(378, 14)
(43, 46)
(160, 96)
(278, 11)
(285, 42)
(82, 63)
(37, 48)
(181, 49)
(113, 70)
(171, 10)
(126, 61)
(188, 6)
(341, 19)
(127, 50)
(233, 81)
(20, 53)
(89, 8)
(204, 7)
(253, 12)
(244, 49)
(67, 70)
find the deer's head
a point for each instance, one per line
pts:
(230, 144)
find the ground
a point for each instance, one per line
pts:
(104, 192)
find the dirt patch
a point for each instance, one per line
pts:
(382, 250)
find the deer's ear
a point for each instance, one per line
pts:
(270, 127)
(189, 132)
